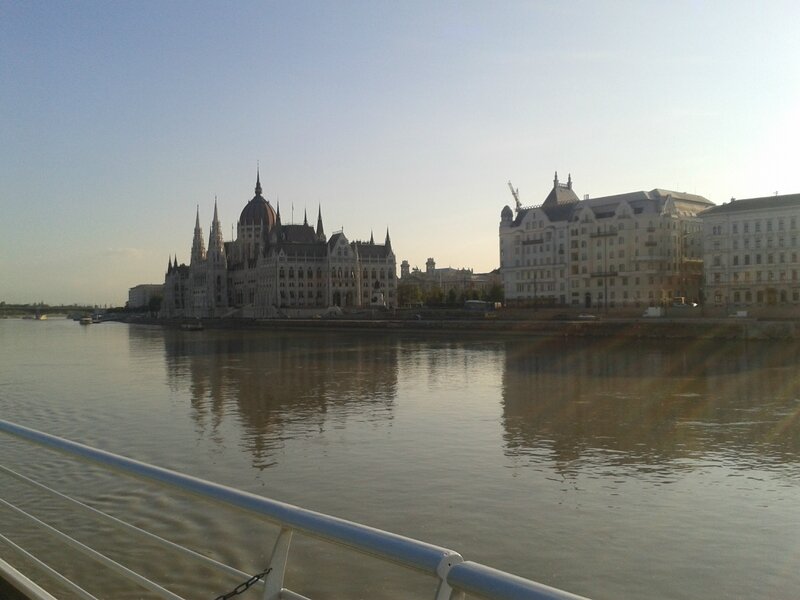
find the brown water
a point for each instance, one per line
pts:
(610, 469)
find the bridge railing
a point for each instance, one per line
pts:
(453, 576)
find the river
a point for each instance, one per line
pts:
(612, 469)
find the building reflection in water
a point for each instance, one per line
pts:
(279, 386)
(649, 405)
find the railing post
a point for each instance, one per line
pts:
(444, 591)
(277, 564)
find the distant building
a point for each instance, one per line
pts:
(633, 249)
(271, 266)
(751, 251)
(464, 282)
(139, 296)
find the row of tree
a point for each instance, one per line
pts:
(412, 294)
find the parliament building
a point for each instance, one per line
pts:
(271, 267)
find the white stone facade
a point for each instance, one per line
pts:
(633, 249)
(271, 266)
(751, 252)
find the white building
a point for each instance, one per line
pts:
(633, 249)
(751, 251)
(140, 295)
(270, 266)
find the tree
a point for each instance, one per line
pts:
(155, 304)
(435, 295)
(408, 294)
(495, 293)
(452, 298)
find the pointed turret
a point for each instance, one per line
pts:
(198, 246)
(320, 230)
(215, 241)
(305, 217)
(388, 241)
(569, 181)
(555, 180)
(371, 238)
(258, 182)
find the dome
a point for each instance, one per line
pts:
(506, 214)
(258, 210)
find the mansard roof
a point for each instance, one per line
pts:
(560, 194)
(763, 203)
(605, 206)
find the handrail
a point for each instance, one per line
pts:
(444, 564)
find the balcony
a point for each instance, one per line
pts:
(608, 233)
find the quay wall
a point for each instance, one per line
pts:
(658, 328)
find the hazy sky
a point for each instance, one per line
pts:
(118, 118)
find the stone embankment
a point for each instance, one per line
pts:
(641, 328)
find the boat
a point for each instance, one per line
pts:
(86, 320)
(193, 326)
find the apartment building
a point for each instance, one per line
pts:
(751, 251)
(634, 249)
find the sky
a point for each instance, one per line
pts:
(119, 120)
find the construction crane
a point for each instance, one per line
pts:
(515, 193)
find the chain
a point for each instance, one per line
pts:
(243, 587)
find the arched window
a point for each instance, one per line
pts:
(282, 273)
(291, 272)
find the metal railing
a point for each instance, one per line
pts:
(453, 576)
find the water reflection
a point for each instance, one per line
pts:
(278, 386)
(652, 404)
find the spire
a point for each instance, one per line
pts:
(388, 241)
(555, 180)
(305, 217)
(371, 238)
(198, 246)
(169, 265)
(320, 230)
(258, 182)
(215, 241)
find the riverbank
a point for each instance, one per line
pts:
(642, 328)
